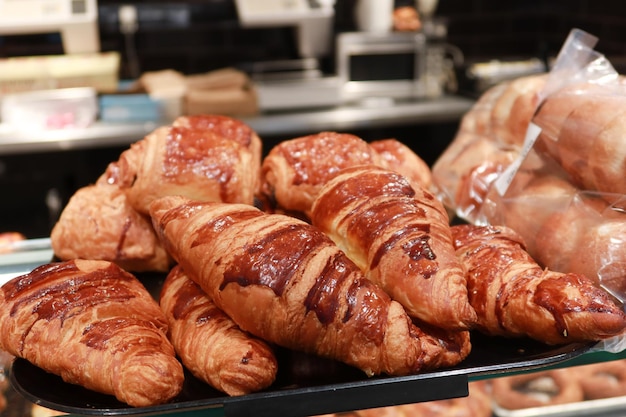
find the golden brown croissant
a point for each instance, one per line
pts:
(400, 158)
(286, 282)
(294, 170)
(98, 223)
(94, 325)
(210, 344)
(227, 127)
(400, 238)
(513, 296)
(193, 158)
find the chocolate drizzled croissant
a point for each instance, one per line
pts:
(94, 325)
(285, 281)
(514, 297)
(210, 344)
(400, 237)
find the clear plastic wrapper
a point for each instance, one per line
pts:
(559, 176)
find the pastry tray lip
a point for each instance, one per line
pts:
(34, 384)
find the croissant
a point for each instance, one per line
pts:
(193, 157)
(400, 237)
(210, 344)
(514, 297)
(99, 223)
(285, 281)
(399, 157)
(294, 170)
(94, 325)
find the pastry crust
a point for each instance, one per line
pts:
(513, 296)
(98, 223)
(94, 325)
(398, 157)
(286, 282)
(400, 238)
(210, 344)
(196, 163)
(294, 170)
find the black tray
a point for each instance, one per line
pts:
(307, 385)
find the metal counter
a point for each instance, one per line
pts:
(367, 114)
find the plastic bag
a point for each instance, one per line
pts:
(561, 183)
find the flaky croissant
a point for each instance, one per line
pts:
(400, 238)
(286, 282)
(513, 296)
(398, 157)
(98, 223)
(94, 325)
(294, 170)
(193, 157)
(210, 344)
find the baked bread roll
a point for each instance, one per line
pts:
(98, 223)
(398, 157)
(94, 325)
(400, 238)
(513, 296)
(603, 379)
(193, 157)
(582, 129)
(537, 389)
(210, 344)
(295, 170)
(285, 281)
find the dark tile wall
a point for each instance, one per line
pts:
(486, 29)
(201, 35)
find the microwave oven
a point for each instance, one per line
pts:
(391, 65)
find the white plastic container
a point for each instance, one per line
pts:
(50, 109)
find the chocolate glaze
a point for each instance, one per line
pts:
(58, 291)
(97, 335)
(186, 303)
(324, 296)
(273, 259)
(197, 153)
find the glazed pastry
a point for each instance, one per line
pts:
(400, 238)
(513, 296)
(285, 281)
(94, 325)
(295, 170)
(400, 158)
(98, 223)
(227, 127)
(210, 344)
(210, 158)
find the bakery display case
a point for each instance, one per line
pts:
(562, 320)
